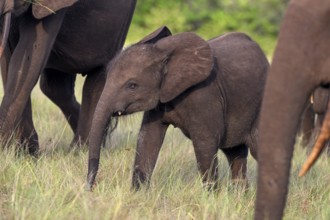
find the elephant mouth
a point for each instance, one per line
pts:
(118, 113)
(124, 111)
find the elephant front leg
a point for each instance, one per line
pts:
(26, 63)
(207, 161)
(150, 140)
(27, 133)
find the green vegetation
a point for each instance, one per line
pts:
(210, 18)
(52, 187)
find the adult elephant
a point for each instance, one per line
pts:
(56, 40)
(301, 64)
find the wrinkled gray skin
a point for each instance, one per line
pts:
(211, 90)
(81, 37)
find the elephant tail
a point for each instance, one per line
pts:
(319, 145)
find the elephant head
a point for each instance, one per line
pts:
(40, 9)
(300, 64)
(155, 70)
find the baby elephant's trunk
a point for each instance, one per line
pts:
(99, 126)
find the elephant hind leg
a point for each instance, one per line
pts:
(307, 125)
(59, 88)
(237, 159)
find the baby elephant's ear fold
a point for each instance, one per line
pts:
(190, 62)
(156, 35)
(43, 8)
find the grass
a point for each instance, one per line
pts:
(52, 187)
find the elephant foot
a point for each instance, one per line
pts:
(139, 180)
(89, 187)
(34, 150)
(31, 146)
(21, 144)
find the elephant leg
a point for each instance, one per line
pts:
(4, 66)
(25, 66)
(92, 90)
(28, 135)
(207, 161)
(150, 140)
(59, 88)
(321, 97)
(237, 159)
(319, 121)
(307, 125)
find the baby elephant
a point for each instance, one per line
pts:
(211, 90)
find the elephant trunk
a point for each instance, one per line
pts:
(99, 125)
(279, 122)
(319, 145)
(288, 87)
(5, 32)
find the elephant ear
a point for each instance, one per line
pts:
(190, 62)
(43, 8)
(156, 35)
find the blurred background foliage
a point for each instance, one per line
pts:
(210, 18)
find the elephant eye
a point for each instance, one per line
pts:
(132, 85)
